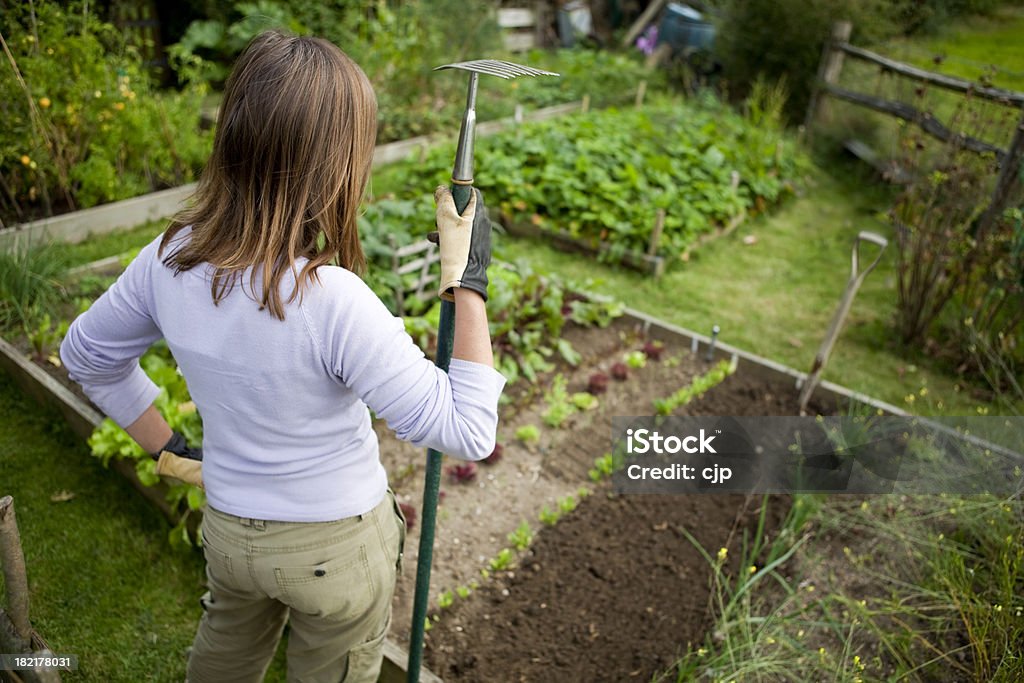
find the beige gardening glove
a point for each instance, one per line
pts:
(465, 244)
(185, 469)
(176, 459)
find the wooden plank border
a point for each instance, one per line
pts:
(646, 263)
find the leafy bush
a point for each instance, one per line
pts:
(83, 122)
(607, 78)
(960, 261)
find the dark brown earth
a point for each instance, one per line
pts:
(615, 591)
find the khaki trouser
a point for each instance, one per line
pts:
(331, 581)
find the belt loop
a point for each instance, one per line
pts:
(259, 524)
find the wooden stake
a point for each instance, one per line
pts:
(641, 90)
(659, 225)
(660, 54)
(15, 578)
(585, 104)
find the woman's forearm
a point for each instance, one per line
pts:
(472, 337)
(150, 431)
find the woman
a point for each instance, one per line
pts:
(283, 353)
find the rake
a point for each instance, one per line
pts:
(462, 190)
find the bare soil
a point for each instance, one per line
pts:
(615, 591)
(475, 518)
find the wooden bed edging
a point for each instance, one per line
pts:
(646, 263)
(755, 364)
(78, 225)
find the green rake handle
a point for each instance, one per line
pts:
(432, 485)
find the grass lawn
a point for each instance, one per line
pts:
(971, 47)
(105, 584)
(97, 247)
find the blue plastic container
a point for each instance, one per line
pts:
(684, 28)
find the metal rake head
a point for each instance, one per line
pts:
(462, 173)
(496, 67)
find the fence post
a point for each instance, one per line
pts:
(1008, 174)
(15, 579)
(829, 68)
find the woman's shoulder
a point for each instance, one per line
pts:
(337, 287)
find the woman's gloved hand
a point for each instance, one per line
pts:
(465, 243)
(177, 459)
(177, 445)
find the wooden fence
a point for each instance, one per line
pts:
(838, 47)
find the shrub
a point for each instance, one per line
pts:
(83, 122)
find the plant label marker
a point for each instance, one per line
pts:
(711, 346)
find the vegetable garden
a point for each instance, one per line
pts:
(541, 571)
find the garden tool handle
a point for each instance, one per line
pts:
(856, 279)
(874, 238)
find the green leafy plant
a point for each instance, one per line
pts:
(528, 434)
(582, 400)
(635, 359)
(110, 441)
(560, 407)
(695, 389)
(502, 561)
(445, 599)
(549, 517)
(45, 338)
(603, 467)
(567, 504)
(522, 536)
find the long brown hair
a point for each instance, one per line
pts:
(291, 159)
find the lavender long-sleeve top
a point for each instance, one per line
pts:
(287, 433)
